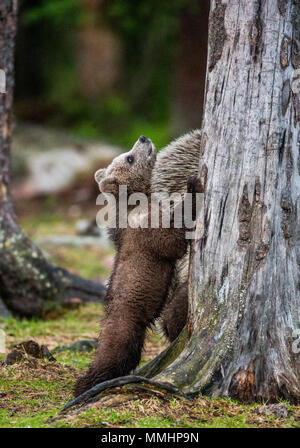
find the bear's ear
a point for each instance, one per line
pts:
(99, 175)
(109, 185)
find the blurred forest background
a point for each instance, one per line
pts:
(90, 77)
(112, 69)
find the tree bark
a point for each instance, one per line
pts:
(244, 289)
(28, 282)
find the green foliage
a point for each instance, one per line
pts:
(131, 17)
(148, 31)
(48, 75)
(159, 133)
(54, 11)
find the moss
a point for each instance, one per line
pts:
(33, 392)
(165, 358)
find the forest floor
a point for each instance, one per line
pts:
(33, 391)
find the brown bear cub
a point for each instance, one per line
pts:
(143, 268)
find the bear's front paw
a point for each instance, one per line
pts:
(194, 185)
(109, 185)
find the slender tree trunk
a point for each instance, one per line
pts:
(245, 267)
(28, 282)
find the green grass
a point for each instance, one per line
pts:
(84, 261)
(73, 324)
(33, 391)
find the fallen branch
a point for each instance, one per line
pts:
(75, 286)
(28, 281)
(121, 382)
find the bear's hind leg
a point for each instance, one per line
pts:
(174, 315)
(119, 348)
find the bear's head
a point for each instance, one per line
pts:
(132, 169)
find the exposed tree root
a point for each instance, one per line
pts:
(121, 382)
(165, 358)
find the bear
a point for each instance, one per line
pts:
(142, 273)
(176, 163)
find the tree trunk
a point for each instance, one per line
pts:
(28, 282)
(244, 274)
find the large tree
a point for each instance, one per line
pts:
(245, 267)
(28, 282)
(244, 294)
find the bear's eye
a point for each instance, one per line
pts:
(130, 160)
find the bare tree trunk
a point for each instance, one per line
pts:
(28, 282)
(244, 273)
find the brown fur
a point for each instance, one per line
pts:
(143, 270)
(175, 164)
(175, 313)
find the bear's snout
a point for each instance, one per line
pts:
(99, 175)
(144, 139)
